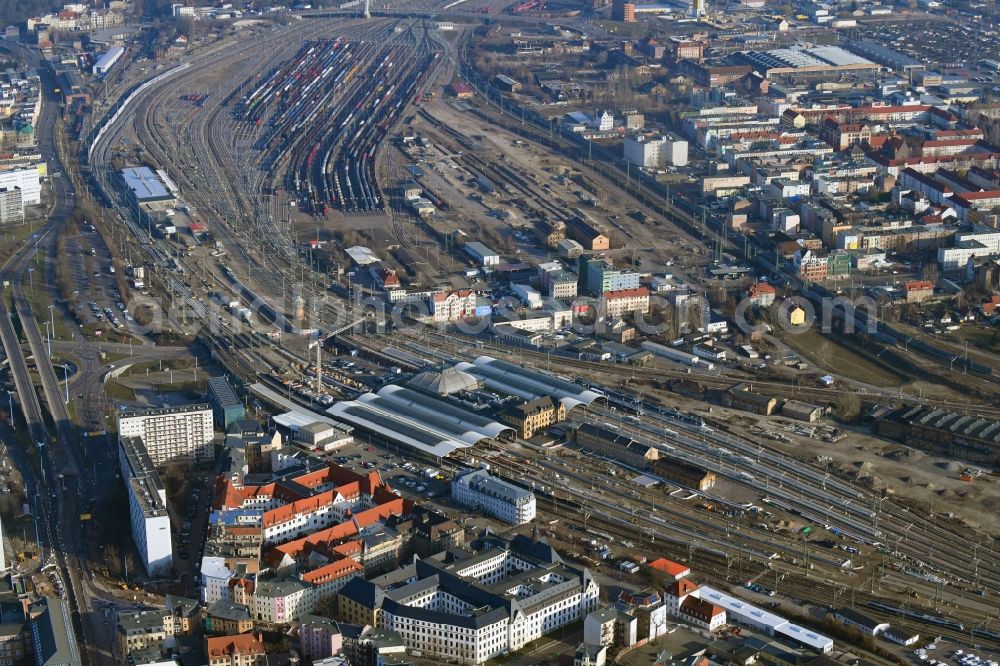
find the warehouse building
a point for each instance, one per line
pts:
(147, 501)
(860, 621)
(741, 612)
(477, 489)
(226, 405)
(481, 254)
(147, 189)
(945, 433)
(814, 62)
(742, 396)
(108, 60)
(802, 411)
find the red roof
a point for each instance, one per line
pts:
(761, 288)
(224, 646)
(332, 571)
(682, 588)
(988, 194)
(443, 295)
(670, 568)
(950, 142)
(919, 285)
(639, 292)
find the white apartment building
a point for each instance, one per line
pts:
(980, 242)
(279, 602)
(504, 501)
(651, 151)
(27, 180)
(11, 206)
(625, 301)
(453, 305)
(147, 507)
(215, 575)
(171, 433)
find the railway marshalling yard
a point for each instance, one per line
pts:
(266, 178)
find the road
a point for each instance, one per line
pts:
(59, 496)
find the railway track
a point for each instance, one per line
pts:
(732, 566)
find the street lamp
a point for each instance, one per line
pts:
(10, 407)
(52, 324)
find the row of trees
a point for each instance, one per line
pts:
(16, 11)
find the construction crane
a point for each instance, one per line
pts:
(318, 344)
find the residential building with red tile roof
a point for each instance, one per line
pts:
(241, 650)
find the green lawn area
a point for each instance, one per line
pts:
(116, 391)
(827, 353)
(40, 300)
(978, 337)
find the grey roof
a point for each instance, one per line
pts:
(223, 391)
(227, 610)
(519, 591)
(278, 588)
(52, 635)
(961, 424)
(362, 592)
(478, 249)
(858, 618)
(481, 481)
(527, 384)
(140, 621)
(145, 185)
(319, 621)
(445, 382)
(182, 606)
(419, 420)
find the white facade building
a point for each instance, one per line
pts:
(11, 206)
(27, 180)
(453, 305)
(660, 151)
(604, 121)
(172, 433)
(980, 242)
(215, 577)
(485, 605)
(504, 501)
(147, 507)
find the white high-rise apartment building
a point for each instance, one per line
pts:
(147, 507)
(171, 433)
